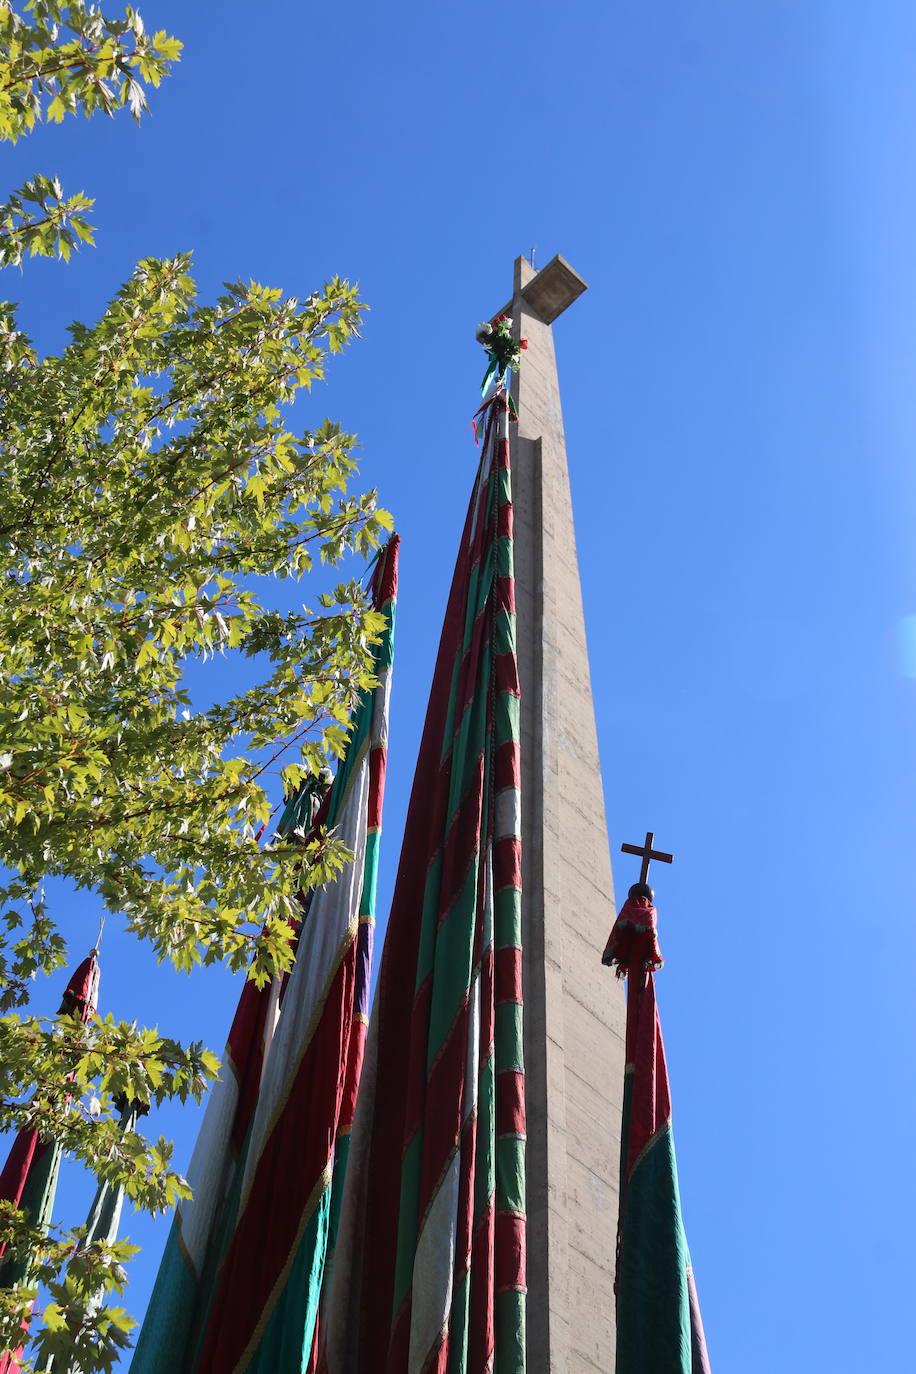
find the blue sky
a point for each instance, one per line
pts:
(737, 183)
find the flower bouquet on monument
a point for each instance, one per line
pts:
(504, 351)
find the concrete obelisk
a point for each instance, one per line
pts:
(574, 1009)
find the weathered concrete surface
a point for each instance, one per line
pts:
(574, 1007)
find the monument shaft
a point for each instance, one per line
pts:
(574, 1012)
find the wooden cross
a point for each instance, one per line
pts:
(648, 854)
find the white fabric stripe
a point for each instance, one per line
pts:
(209, 1172)
(382, 700)
(434, 1269)
(92, 994)
(337, 1329)
(271, 1020)
(334, 910)
(507, 819)
(212, 1166)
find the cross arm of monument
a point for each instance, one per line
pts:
(548, 292)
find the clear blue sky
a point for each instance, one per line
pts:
(737, 183)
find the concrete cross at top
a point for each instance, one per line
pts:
(548, 292)
(648, 854)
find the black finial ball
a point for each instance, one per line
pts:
(642, 890)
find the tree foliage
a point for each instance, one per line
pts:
(146, 476)
(58, 59)
(149, 482)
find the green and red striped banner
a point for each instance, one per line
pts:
(180, 1300)
(659, 1328)
(430, 1268)
(239, 1285)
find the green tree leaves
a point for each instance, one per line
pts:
(38, 220)
(147, 476)
(55, 60)
(149, 484)
(148, 480)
